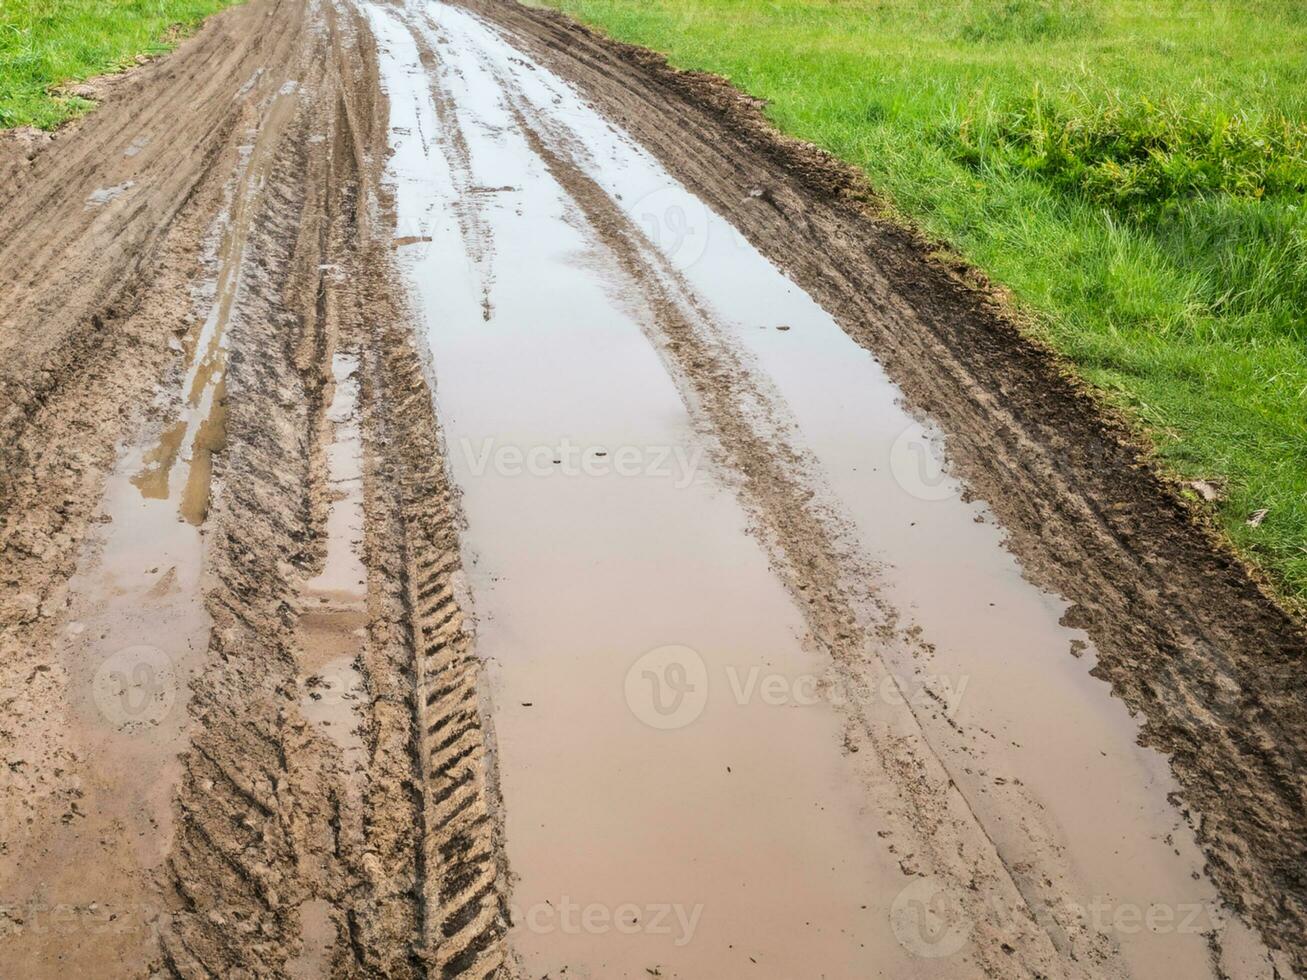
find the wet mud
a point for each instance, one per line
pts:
(476, 502)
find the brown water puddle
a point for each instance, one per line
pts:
(318, 934)
(199, 431)
(137, 634)
(678, 800)
(334, 602)
(625, 803)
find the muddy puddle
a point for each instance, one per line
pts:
(136, 634)
(679, 794)
(594, 571)
(178, 468)
(319, 937)
(333, 614)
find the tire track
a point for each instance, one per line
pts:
(285, 856)
(457, 865)
(462, 872)
(930, 818)
(846, 620)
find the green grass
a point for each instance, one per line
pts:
(45, 43)
(1135, 171)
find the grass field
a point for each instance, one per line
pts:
(1135, 171)
(49, 42)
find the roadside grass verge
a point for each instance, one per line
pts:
(45, 43)
(1134, 171)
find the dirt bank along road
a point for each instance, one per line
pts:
(475, 502)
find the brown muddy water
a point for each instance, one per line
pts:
(334, 614)
(677, 735)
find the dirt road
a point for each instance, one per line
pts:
(476, 502)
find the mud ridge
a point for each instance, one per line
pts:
(352, 850)
(239, 875)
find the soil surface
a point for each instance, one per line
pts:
(475, 501)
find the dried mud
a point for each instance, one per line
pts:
(246, 724)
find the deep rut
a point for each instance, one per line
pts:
(463, 914)
(318, 841)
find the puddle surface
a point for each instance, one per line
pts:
(579, 578)
(318, 935)
(103, 195)
(334, 602)
(138, 632)
(676, 795)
